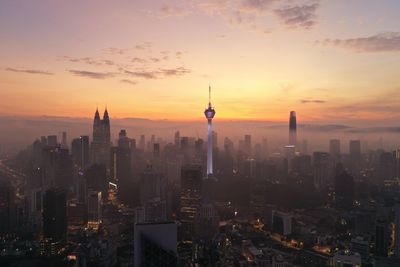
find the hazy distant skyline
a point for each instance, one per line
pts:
(331, 61)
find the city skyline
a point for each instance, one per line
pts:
(293, 56)
(112, 153)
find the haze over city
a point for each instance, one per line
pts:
(200, 133)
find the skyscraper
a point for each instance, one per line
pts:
(64, 140)
(334, 148)
(177, 138)
(80, 151)
(292, 129)
(7, 206)
(94, 208)
(190, 198)
(155, 244)
(209, 113)
(55, 214)
(355, 150)
(247, 145)
(397, 157)
(397, 232)
(101, 139)
(322, 169)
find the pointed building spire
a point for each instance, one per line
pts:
(96, 114)
(105, 116)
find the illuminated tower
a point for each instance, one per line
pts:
(209, 113)
(292, 129)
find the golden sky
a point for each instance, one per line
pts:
(331, 61)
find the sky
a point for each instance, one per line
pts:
(331, 61)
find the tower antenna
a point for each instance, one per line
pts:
(209, 95)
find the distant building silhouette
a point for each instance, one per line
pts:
(322, 169)
(101, 143)
(334, 149)
(344, 188)
(80, 151)
(292, 129)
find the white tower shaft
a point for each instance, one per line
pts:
(210, 149)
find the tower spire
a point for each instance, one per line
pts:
(209, 95)
(209, 113)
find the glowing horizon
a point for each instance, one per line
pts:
(153, 60)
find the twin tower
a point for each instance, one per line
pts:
(101, 144)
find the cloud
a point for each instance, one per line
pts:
(175, 72)
(238, 13)
(318, 101)
(172, 11)
(145, 74)
(138, 60)
(30, 71)
(92, 74)
(154, 59)
(128, 81)
(157, 74)
(299, 16)
(144, 46)
(116, 51)
(90, 61)
(256, 5)
(383, 42)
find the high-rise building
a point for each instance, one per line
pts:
(190, 198)
(52, 140)
(387, 166)
(156, 150)
(121, 162)
(397, 232)
(355, 150)
(397, 157)
(96, 179)
(142, 142)
(151, 186)
(64, 140)
(302, 165)
(381, 237)
(322, 169)
(334, 148)
(292, 129)
(94, 205)
(55, 214)
(209, 113)
(155, 210)
(344, 189)
(247, 146)
(206, 222)
(55, 222)
(7, 207)
(155, 244)
(80, 151)
(101, 143)
(57, 168)
(177, 139)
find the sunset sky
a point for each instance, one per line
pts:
(331, 61)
